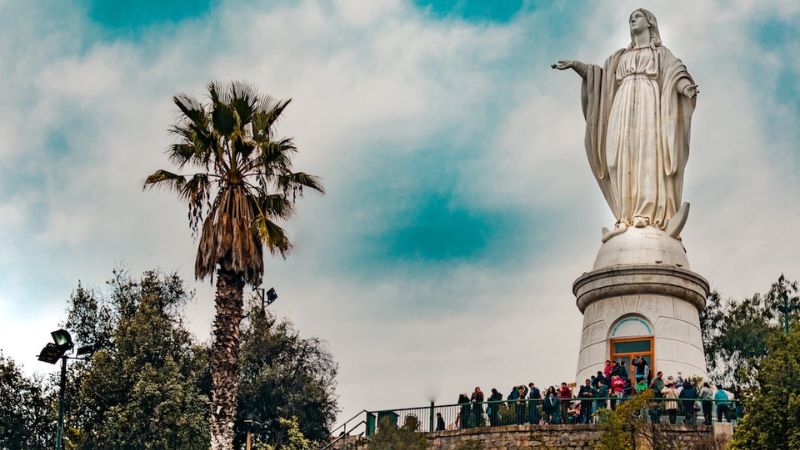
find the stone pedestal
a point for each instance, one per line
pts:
(641, 287)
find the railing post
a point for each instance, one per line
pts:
(431, 418)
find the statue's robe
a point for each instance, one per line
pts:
(638, 148)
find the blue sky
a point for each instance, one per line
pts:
(459, 198)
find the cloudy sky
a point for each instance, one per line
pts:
(460, 206)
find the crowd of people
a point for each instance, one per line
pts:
(672, 397)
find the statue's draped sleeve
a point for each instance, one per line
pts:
(597, 96)
(676, 116)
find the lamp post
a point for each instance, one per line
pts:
(51, 353)
(250, 422)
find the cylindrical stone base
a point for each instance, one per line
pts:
(631, 303)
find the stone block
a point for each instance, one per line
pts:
(687, 312)
(630, 303)
(655, 306)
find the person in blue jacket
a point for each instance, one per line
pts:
(722, 400)
(536, 399)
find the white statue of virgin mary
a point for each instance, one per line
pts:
(638, 108)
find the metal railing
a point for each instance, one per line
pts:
(549, 411)
(346, 432)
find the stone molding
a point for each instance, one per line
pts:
(654, 279)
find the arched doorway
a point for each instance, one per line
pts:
(632, 336)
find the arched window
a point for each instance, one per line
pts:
(632, 336)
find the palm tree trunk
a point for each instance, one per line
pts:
(225, 358)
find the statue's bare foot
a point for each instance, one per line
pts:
(640, 221)
(618, 229)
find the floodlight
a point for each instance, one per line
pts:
(271, 295)
(62, 339)
(50, 353)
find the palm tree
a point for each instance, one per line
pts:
(243, 184)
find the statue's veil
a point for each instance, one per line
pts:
(655, 36)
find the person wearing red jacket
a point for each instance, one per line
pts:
(617, 389)
(564, 396)
(607, 371)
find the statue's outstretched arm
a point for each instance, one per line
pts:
(579, 67)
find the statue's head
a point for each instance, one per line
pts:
(642, 20)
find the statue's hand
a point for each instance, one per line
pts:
(691, 90)
(563, 65)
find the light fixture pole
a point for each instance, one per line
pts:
(51, 353)
(61, 390)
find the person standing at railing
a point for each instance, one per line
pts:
(586, 393)
(463, 414)
(641, 385)
(722, 400)
(513, 396)
(494, 407)
(439, 422)
(533, 405)
(520, 408)
(618, 390)
(670, 394)
(657, 385)
(689, 394)
(564, 395)
(550, 406)
(477, 407)
(602, 394)
(707, 402)
(629, 388)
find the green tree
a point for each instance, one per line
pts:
(144, 389)
(244, 184)
(295, 440)
(392, 437)
(284, 376)
(626, 425)
(735, 332)
(89, 318)
(773, 413)
(26, 415)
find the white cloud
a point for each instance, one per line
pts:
(369, 81)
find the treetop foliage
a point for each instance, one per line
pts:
(773, 412)
(735, 332)
(148, 384)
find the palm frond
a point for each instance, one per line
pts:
(201, 141)
(224, 119)
(243, 148)
(269, 112)
(273, 235)
(273, 157)
(275, 206)
(300, 180)
(244, 100)
(163, 178)
(181, 154)
(192, 109)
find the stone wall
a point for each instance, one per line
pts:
(575, 437)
